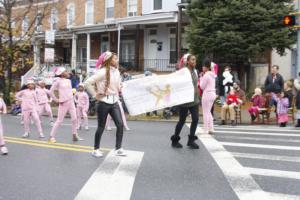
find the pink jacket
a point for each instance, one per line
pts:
(208, 82)
(82, 100)
(42, 95)
(2, 106)
(28, 99)
(64, 88)
(99, 79)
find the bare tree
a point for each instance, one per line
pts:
(19, 20)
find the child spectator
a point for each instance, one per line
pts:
(257, 102)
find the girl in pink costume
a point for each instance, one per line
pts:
(3, 110)
(29, 108)
(66, 103)
(208, 86)
(82, 101)
(43, 97)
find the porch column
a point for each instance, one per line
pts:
(74, 51)
(88, 53)
(36, 54)
(119, 38)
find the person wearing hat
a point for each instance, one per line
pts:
(297, 87)
(43, 97)
(3, 110)
(66, 103)
(105, 87)
(30, 108)
(82, 101)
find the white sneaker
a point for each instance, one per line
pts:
(51, 123)
(127, 128)
(120, 152)
(4, 150)
(22, 122)
(79, 127)
(97, 153)
(42, 135)
(25, 135)
(86, 128)
(108, 128)
(76, 138)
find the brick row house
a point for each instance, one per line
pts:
(144, 33)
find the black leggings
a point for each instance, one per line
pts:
(183, 113)
(103, 109)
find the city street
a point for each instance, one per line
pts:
(242, 162)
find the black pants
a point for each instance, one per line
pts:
(183, 113)
(103, 109)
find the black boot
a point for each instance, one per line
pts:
(253, 118)
(298, 123)
(223, 122)
(191, 142)
(282, 125)
(232, 123)
(175, 141)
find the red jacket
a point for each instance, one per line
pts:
(232, 99)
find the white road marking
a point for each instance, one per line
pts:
(258, 133)
(260, 128)
(264, 146)
(266, 157)
(258, 139)
(279, 196)
(114, 178)
(238, 177)
(274, 173)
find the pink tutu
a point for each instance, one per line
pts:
(283, 118)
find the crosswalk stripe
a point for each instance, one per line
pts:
(266, 157)
(257, 128)
(257, 139)
(279, 196)
(274, 173)
(239, 179)
(258, 133)
(114, 178)
(264, 146)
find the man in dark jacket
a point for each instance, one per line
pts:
(274, 81)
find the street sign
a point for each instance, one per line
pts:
(49, 55)
(50, 37)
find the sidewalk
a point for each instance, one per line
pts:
(245, 116)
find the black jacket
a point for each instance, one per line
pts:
(275, 87)
(221, 87)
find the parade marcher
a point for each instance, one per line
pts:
(208, 85)
(82, 101)
(108, 121)
(297, 87)
(107, 81)
(43, 98)
(66, 102)
(193, 107)
(30, 108)
(3, 148)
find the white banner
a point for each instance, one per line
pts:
(157, 92)
(49, 55)
(50, 37)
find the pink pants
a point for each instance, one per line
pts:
(82, 113)
(253, 110)
(208, 100)
(45, 108)
(26, 117)
(63, 109)
(2, 142)
(108, 119)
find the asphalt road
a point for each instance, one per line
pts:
(236, 163)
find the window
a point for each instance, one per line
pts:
(53, 19)
(70, 15)
(109, 9)
(25, 26)
(157, 4)
(173, 52)
(89, 12)
(131, 8)
(38, 22)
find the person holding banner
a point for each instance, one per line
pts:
(208, 86)
(193, 107)
(107, 82)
